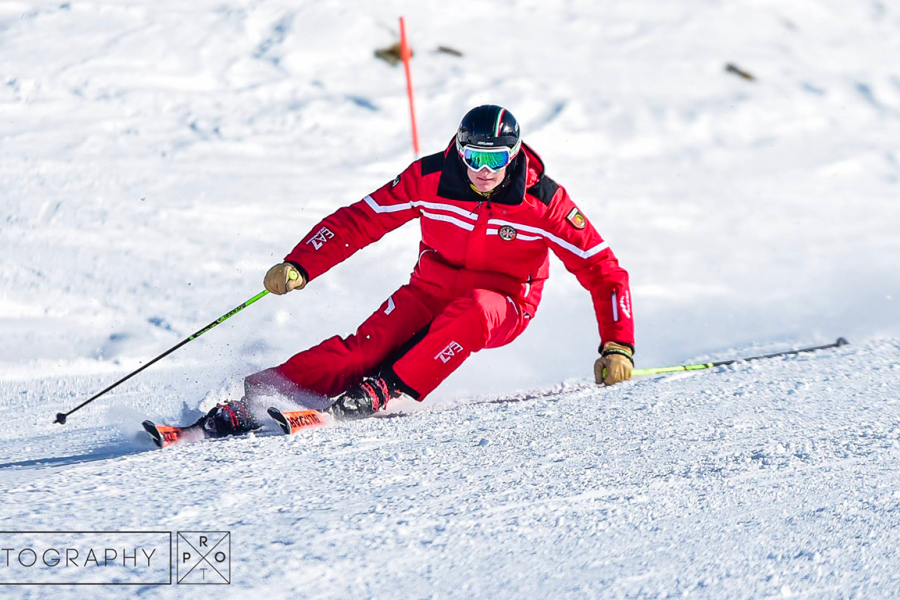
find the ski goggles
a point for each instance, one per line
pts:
(493, 159)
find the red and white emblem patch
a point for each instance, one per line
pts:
(507, 233)
(576, 219)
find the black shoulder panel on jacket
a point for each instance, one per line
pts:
(433, 163)
(544, 190)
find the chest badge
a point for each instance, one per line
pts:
(507, 233)
(576, 219)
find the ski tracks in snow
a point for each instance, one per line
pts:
(730, 483)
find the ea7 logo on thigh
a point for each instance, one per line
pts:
(449, 352)
(321, 236)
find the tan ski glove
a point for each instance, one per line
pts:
(282, 278)
(616, 362)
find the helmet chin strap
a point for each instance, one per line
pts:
(484, 194)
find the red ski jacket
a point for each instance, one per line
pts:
(469, 241)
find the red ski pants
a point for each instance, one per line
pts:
(455, 328)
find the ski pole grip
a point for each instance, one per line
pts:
(293, 275)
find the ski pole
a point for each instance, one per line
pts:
(721, 363)
(61, 417)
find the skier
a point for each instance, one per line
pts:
(488, 215)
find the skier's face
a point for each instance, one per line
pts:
(485, 181)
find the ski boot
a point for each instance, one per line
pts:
(366, 398)
(232, 418)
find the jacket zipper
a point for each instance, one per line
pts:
(477, 234)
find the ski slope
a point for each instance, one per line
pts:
(157, 157)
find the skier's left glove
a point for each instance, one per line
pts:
(614, 365)
(284, 277)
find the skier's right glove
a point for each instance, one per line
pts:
(284, 277)
(614, 365)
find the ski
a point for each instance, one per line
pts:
(168, 435)
(293, 421)
(289, 422)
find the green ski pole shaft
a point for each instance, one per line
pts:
(61, 417)
(721, 363)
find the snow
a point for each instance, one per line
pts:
(157, 157)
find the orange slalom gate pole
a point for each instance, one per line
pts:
(405, 54)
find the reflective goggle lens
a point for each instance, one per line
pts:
(494, 160)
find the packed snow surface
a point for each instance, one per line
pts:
(156, 157)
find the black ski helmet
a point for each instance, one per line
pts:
(489, 126)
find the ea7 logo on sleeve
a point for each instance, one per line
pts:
(321, 236)
(449, 352)
(625, 304)
(622, 302)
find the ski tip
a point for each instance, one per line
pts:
(842, 341)
(150, 427)
(280, 419)
(166, 435)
